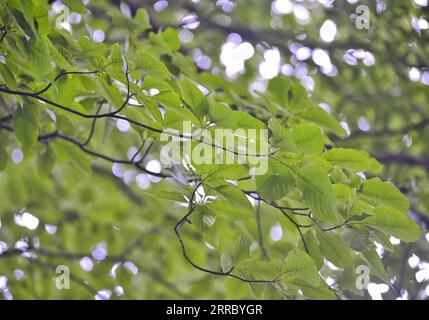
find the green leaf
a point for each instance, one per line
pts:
(65, 151)
(142, 18)
(226, 262)
(279, 88)
(8, 76)
(317, 192)
(231, 203)
(335, 249)
(375, 264)
(313, 248)
(25, 124)
(241, 246)
(276, 183)
(170, 39)
(324, 119)
(385, 194)
(194, 98)
(299, 265)
(308, 139)
(46, 161)
(394, 223)
(321, 292)
(151, 65)
(281, 136)
(355, 160)
(116, 54)
(76, 6)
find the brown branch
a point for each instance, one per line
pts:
(403, 158)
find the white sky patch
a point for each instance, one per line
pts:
(363, 124)
(251, 200)
(17, 156)
(112, 272)
(234, 53)
(51, 229)
(209, 246)
(425, 78)
(98, 35)
(413, 261)
(422, 3)
(328, 31)
(186, 36)
(282, 7)
(117, 170)
(330, 265)
(160, 5)
(423, 273)
(19, 274)
(100, 252)
(132, 152)
(143, 181)
(104, 294)
(3, 247)
(308, 83)
(303, 53)
(30, 222)
(394, 241)
(123, 125)
(414, 74)
(26, 220)
(288, 70)
(119, 291)
(154, 166)
(132, 267)
(346, 127)
(369, 59)
(375, 290)
(321, 58)
(86, 264)
(269, 68)
(245, 50)
(129, 176)
(3, 282)
(325, 107)
(407, 140)
(276, 232)
(301, 13)
(21, 245)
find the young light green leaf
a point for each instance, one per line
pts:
(319, 116)
(375, 264)
(279, 88)
(335, 249)
(25, 124)
(151, 65)
(308, 138)
(394, 223)
(281, 136)
(355, 160)
(317, 192)
(226, 262)
(299, 265)
(382, 193)
(241, 246)
(276, 183)
(194, 98)
(142, 18)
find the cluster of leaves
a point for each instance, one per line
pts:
(61, 95)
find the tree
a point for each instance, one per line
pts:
(138, 167)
